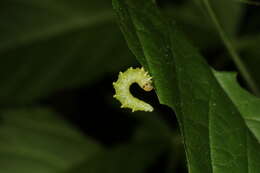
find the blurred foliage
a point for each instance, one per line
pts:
(39, 140)
(58, 61)
(48, 45)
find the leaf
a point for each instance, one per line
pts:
(247, 104)
(216, 136)
(47, 45)
(38, 140)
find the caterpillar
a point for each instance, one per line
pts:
(122, 89)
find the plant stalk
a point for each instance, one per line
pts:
(234, 55)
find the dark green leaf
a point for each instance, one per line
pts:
(47, 45)
(216, 136)
(246, 103)
(38, 140)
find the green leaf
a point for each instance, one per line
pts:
(247, 104)
(216, 136)
(47, 45)
(38, 140)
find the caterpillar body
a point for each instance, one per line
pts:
(122, 89)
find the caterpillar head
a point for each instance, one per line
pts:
(146, 83)
(146, 80)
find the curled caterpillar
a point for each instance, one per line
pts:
(122, 88)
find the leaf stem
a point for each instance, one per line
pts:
(234, 55)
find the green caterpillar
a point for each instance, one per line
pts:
(122, 89)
